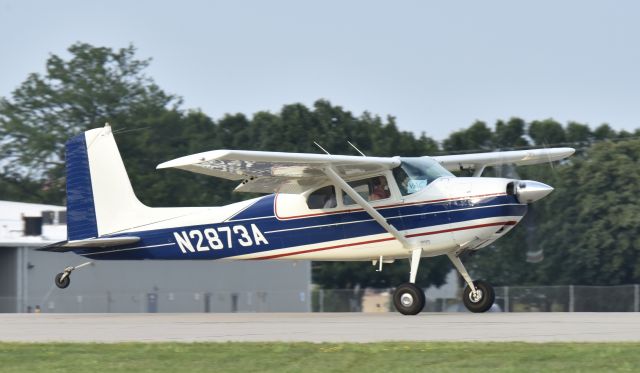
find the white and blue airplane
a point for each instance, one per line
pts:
(319, 207)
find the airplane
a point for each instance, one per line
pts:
(318, 207)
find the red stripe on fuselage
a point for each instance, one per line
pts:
(511, 222)
(275, 206)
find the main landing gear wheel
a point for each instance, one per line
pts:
(482, 302)
(409, 299)
(62, 280)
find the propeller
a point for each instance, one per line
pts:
(527, 191)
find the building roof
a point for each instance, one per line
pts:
(12, 225)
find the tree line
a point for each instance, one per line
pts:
(586, 232)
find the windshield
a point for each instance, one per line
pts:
(414, 174)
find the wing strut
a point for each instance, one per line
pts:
(367, 207)
(416, 252)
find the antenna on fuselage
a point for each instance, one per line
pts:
(321, 148)
(358, 150)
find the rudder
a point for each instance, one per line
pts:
(81, 213)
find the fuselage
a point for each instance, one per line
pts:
(449, 214)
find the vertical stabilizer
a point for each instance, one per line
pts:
(100, 198)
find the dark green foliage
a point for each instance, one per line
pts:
(94, 86)
(604, 132)
(510, 134)
(597, 236)
(476, 137)
(578, 134)
(588, 228)
(547, 132)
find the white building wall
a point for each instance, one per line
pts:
(176, 286)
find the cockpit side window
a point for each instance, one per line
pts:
(402, 179)
(414, 174)
(323, 198)
(371, 189)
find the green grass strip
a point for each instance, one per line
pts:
(326, 357)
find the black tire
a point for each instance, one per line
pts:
(488, 296)
(409, 299)
(64, 283)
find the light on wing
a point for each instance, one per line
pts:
(267, 172)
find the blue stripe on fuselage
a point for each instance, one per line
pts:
(310, 230)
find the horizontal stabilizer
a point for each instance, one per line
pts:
(65, 246)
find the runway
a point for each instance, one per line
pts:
(321, 327)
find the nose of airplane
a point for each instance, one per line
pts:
(528, 191)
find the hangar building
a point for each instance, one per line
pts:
(26, 276)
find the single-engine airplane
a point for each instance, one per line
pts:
(318, 207)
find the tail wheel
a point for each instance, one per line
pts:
(62, 283)
(482, 302)
(409, 299)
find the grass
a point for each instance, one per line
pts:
(326, 357)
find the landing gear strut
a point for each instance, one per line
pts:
(482, 302)
(408, 298)
(478, 296)
(63, 279)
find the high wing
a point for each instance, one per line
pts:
(268, 172)
(479, 161)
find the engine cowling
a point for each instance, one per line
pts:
(528, 191)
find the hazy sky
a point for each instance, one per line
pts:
(436, 66)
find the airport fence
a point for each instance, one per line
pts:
(567, 298)
(624, 298)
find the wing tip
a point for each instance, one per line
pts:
(566, 152)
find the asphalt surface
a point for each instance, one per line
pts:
(321, 327)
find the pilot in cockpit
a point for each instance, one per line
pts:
(380, 189)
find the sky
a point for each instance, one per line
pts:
(435, 66)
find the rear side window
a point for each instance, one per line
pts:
(323, 198)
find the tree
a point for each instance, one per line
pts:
(510, 134)
(588, 227)
(604, 132)
(95, 85)
(477, 137)
(20, 188)
(595, 238)
(579, 134)
(546, 132)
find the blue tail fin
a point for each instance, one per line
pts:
(100, 198)
(81, 212)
